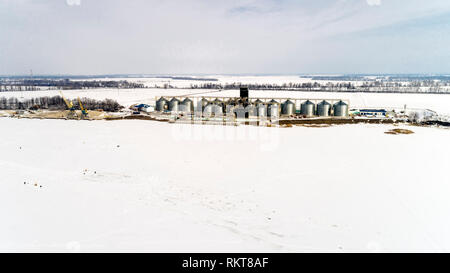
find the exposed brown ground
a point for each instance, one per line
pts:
(399, 131)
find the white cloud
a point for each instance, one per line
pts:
(373, 2)
(73, 2)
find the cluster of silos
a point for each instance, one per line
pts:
(310, 109)
(217, 107)
(234, 106)
(258, 108)
(174, 105)
(324, 109)
(212, 108)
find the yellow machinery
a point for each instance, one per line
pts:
(70, 106)
(84, 112)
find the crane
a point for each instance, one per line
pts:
(70, 106)
(84, 112)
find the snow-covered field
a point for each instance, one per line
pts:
(150, 186)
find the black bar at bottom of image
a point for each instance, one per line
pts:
(218, 262)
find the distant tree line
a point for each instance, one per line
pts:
(57, 103)
(425, 86)
(66, 84)
(192, 79)
(386, 77)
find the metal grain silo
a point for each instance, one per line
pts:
(273, 108)
(251, 111)
(288, 108)
(161, 104)
(261, 108)
(201, 104)
(340, 109)
(324, 109)
(174, 104)
(239, 111)
(229, 105)
(208, 110)
(219, 108)
(308, 108)
(220, 103)
(187, 105)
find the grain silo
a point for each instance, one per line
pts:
(251, 111)
(273, 108)
(161, 104)
(174, 105)
(187, 105)
(324, 109)
(261, 108)
(220, 103)
(239, 111)
(308, 108)
(213, 109)
(229, 105)
(340, 109)
(288, 108)
(201, 104)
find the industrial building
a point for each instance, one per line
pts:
(372, 112)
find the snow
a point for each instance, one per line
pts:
(149, 186)
(135, 185)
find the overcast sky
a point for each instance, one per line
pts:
(224, 37)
